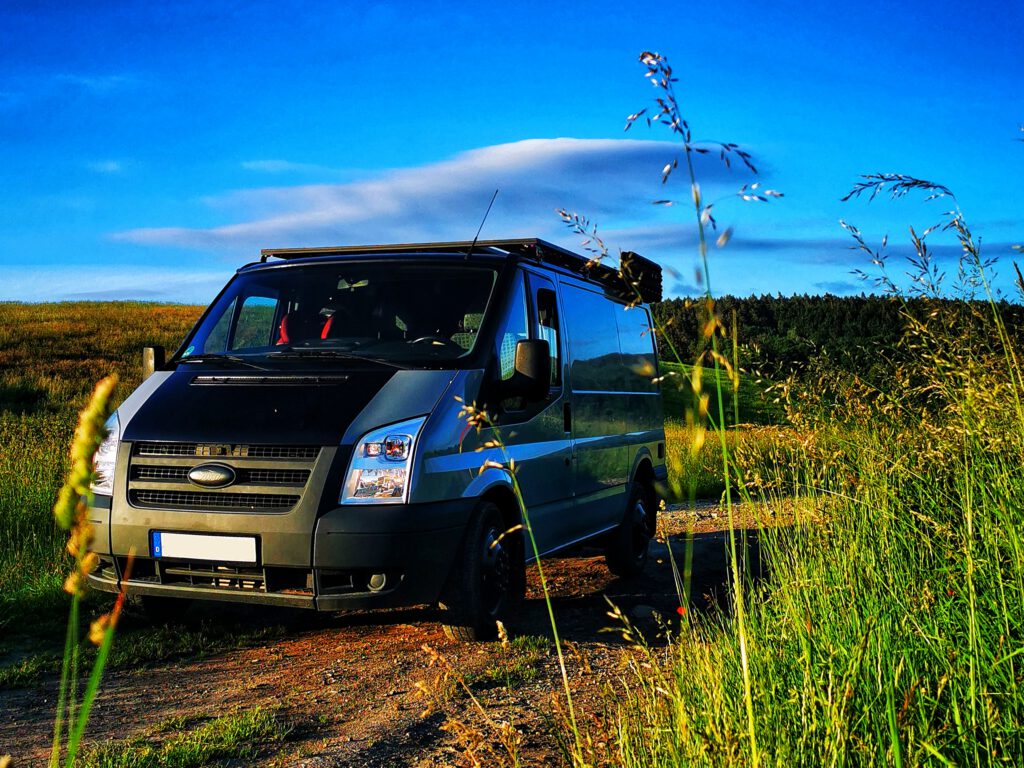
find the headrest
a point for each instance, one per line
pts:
(472, 321)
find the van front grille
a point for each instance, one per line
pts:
(159, 473)
(235, 501)
(262, 478)
(225, 450)
(276, 476)
(210, 575)
(282, 476)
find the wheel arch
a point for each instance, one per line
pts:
(505, 499)
(643, 474)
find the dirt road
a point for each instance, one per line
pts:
(346, 684)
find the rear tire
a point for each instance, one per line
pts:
(626, 550)
(488, 580)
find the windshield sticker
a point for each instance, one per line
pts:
(189, 351)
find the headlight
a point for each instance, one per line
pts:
(106, 457)
(381, 464)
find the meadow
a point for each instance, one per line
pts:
(888, 628)
(51, 356)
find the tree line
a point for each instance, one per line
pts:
(778, 334)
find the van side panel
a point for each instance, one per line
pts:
(599, 408)
(642, 395)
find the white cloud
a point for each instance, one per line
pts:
(98, 84)
(283, 166)
(191, 281)
(106, 166)
(611, 181)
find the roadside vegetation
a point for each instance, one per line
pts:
(890, 627)
(888, 632)
(884, 626)
(181, 743)
(50, 357)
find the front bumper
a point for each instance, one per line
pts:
(356, 557)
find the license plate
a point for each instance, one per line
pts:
(197, 546)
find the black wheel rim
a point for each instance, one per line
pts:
(496, 572)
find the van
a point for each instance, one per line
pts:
(392, 425)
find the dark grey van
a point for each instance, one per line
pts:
(317, 440)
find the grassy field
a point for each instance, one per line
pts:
(890, 631)
(180, 743)
(51, 355)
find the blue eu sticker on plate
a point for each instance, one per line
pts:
(156, 544)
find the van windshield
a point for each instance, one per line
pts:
(397, 312)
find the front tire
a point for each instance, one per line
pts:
(626, 550)
(488, 580)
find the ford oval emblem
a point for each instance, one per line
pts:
(212, 475)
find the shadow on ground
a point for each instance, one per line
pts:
(580, 585)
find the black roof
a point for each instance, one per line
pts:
(634, 276)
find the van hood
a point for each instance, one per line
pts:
(287, 407)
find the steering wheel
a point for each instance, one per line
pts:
(433, 339)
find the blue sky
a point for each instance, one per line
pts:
(147, 150)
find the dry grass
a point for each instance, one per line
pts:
(50, 357)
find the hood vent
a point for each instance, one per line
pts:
(268, 381)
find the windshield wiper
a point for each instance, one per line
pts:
(305, 354)
(213, 357)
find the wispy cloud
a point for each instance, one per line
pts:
(26, 91)
(97, 84)
(842, 287)
(284, 166)
(105, 166)
(190, 281)
(611, 181)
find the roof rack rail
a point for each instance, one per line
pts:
(635, 276)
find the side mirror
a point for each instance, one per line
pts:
(153, 359)
(532, 377)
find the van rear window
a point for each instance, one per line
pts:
(612, 347)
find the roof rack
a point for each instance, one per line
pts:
(636, 275)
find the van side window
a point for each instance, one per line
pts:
(255, 323)
(217, 341)
(546, 327)
(593, 339)
(636, 339)
(513, 329)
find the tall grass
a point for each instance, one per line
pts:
(32, 464)
(891, 633)
(50, 357)
(891, 629)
